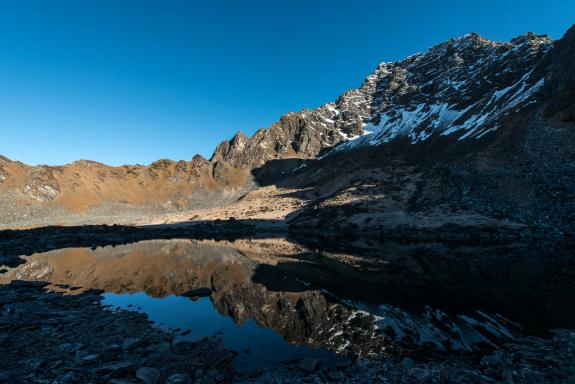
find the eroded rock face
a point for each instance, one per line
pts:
(87, 188)
(42, 186)
(303, 134)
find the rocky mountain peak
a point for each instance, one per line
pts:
(462, 86)
(86, 163)
(531, 38)
(199, 158)
(471, 40)
(239, 139)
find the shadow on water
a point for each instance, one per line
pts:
(523, 281)
(351, 299)
(14, 243)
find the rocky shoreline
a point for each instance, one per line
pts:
(48, 337)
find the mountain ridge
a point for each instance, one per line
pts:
(465, 88)
(469, 37)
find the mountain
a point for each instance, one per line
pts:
(461, 88)
(86, 188)
(470, 132)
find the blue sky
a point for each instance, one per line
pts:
(121, 81)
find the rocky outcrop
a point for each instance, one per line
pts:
(42, 185)
(302, 135)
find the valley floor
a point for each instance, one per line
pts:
(273, 208)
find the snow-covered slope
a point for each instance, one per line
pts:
(460, 88)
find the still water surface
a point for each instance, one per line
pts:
(257, 346)
(274, 299)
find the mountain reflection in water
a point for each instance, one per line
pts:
(272, 294)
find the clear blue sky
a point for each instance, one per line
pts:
(121, 81)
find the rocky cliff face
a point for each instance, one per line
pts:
(302, 135)
(461, 88)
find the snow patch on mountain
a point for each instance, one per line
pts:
(461, 88)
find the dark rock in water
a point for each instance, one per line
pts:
(311, 365)
(178, 378)
(199, 292)
(120, 367)
(148, 375)
(4, 377)
(89, 358)
(130, 343)
(121, 381)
